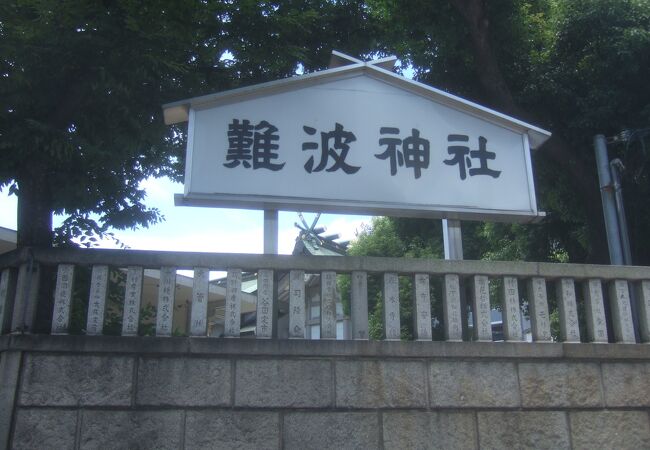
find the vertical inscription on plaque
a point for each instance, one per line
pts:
(62, 299)
(538, 305)
(264, 304)
(391, 307)
(297, 304)
(232, 315)
(132, 297)
(511, 312)
(481, 304)
(328, 306)
(595, 311)
(359, 288)
(97, 300)
(199, 313)
(566, 295)
(621, 312)
(422, 307)
(166, 294)
(451, 308)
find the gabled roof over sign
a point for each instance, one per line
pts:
(344, 66)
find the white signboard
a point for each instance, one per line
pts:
(358, 139)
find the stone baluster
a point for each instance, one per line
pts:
(421, 307)
(26, 297)
(391, 307)
(328, 306)
(566, 298)
(97, 300)
(166, 297)
(619, 297)
(511, 312)
(265, 299)
(132, 300)
(359, 307)
(297, 313)
(643, 300)
(538, 307)
(481, 308)
(451, 310)
(595, 311)
(63, 299)
(232, 313)
(200, 295)
(7, 294)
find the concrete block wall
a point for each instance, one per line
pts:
(61, 392)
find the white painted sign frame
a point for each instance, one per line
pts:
(294, 199)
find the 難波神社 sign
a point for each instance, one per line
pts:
(357, 138)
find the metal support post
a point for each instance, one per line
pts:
(616, 167)
(270, 231)
(452, 238)
(607, 195)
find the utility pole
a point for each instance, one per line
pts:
(609, 203)
(618, 242)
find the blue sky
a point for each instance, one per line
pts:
(204, 229)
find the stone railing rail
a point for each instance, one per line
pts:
(625, 287)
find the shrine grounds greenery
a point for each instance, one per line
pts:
(83, 82)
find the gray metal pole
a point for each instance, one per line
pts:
(270, 231)
(607, 196)
(452, 239)
(615, 169)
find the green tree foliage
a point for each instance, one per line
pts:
(83, 83)
(596, 82)
(80, 122)
(577, 68)
(411, 238)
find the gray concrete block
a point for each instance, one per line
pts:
(70, 380)
(44, 429)
(336, 431)
(591, 430)
(184, 381)
(131, 430)
(429, 430)
(626, 384)
(518, 430)
(560, 384)
(469, 384)
(283, 383)
(380, 384)
(232, 430)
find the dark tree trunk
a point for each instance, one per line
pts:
(35, 230)
(487, 66)
(34, 209)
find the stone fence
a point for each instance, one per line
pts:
(563, 390)
(626, 289)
